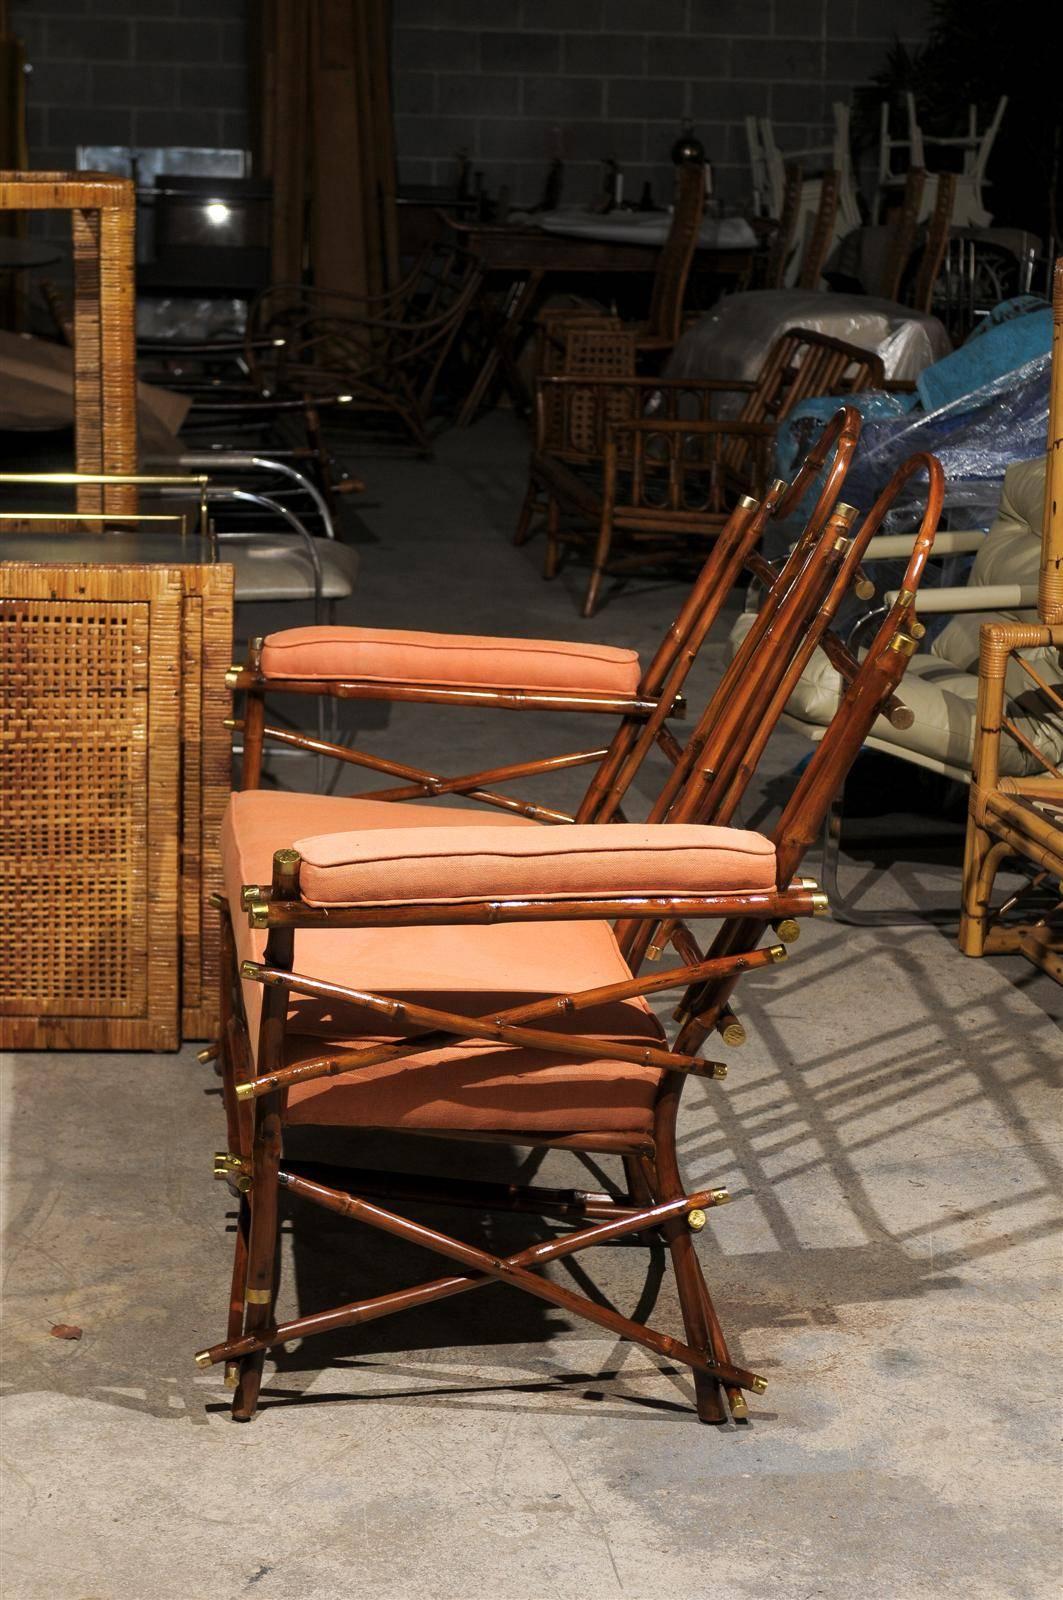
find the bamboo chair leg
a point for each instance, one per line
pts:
(532, 504)
(702, 1326)
(553, 544)
(261, 1252)
(599, 564)
(981, 859)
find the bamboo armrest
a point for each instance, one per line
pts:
(898, 546)
(973, 597)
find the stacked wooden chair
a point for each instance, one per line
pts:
(395, 966)
(1022, 816)
(644, 461)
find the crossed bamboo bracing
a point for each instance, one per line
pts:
(709, 774)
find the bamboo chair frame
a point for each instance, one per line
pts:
(256, 1167)
(1021, 816)
(583, 470)
(820, 235)
(103, 220)
(783, 238)
(643, 718)
(384, 353)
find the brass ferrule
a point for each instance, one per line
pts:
(719, 1069)
(696, 1219)
(250, 970)
(778, 487)
(258, 914)
(232, 1375)
(778, 952)
(739, 1409)
(787, 929)
(234, 677)
(654, 952)
(847, 513)
(906, 597)
(905, 643)
(719, 1197)
(202, 1358)
(732, 1031)
(245, 1091)
(218, 902)
(917, 630)
(286, 858)
(748, 502)
(805, 883)
(759, 1385)
(209, 1053)
(842, 544)
(863, 588)
(250, 893)
(820, 905)
(258, 1297)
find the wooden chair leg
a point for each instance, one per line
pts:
(527, 512)
(553, 544)
(981, 859)
(261, 1284)
(700, 1322)
(599, 564)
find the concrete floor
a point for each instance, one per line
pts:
(891, 1261)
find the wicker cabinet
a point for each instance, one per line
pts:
(114, 768)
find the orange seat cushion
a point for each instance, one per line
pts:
(389, 655)
(583, 861)
(473, 1087)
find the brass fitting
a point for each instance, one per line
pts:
(731, 1030)
(218, 902)
(202, 1358)
(820, 904)
(209, 1053)
(258, 914)
(759, 1385)
(739, 1409)
(231, 1169)
(258, 1297)
(245, 1091)
(719, 1069)
(778, 486)
(847, 513)
(229, 722)
(696, 1219)
(250, 892)
(906, 644)
(787, 929)
(719, 1197)
(863, 587)
(232, 1375)
(249, 970)
(234, 676)
(842, 544)
(748, 502)
(778, 952)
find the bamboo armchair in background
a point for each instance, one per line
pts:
(299, 1046)
(1021, 816)
(102, 218)
(382, 355)
(820, 235)
(586, 485)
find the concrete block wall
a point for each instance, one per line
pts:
(133, 72)
(516, 82)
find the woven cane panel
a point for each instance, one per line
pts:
(89, 762)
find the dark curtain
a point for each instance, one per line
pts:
(326, 139)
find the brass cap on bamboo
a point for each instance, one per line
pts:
(249, 970)
(696, 1219)
(901, 718)
(759, 1385)
(218, 902)
(234, 677)
(202, 1358)
(917, 630)
(906, 643)
(778, 487)
(208, 1053)
(846, 512)
(787, 929)
(863, 588)
(778, 952)
(842, 544)
(820, 904)
(258, 914)
(731, 1030)
(245, 1091)
(720, 1197)
(719, 1069)
(250, 892)
(748, 502)
(229, 722)
(232, 1375)
(286, 858)
(258, 1297)
(739, 1409)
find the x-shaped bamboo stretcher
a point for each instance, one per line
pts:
(518, 1270)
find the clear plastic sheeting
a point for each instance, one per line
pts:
(182, 317)
(640, 227)
(734, 339)
(976, 438)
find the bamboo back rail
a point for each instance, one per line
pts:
(677, 254)
(821, 233)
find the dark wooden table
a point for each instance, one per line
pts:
(527, 256)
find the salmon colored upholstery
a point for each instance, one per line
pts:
(479, 1086)
(582, 861)
(450, 659)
